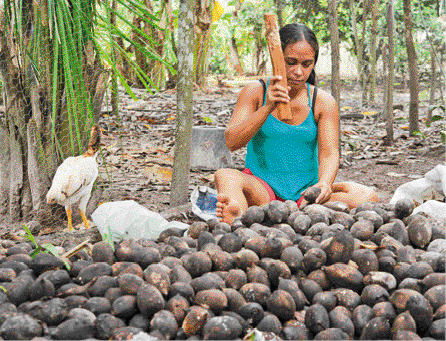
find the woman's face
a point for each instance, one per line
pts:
(299, 62)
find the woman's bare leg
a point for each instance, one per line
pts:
(353, 194)
(236, 192)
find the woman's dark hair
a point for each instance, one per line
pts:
(292, 33)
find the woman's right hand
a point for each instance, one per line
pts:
(276, 92)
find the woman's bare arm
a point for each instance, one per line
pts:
(249, 114)
(328, 145)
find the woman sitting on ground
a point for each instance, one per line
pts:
(286, 157)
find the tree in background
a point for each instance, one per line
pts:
(413, 69)
(181, 164)
(203, 21)
(373, 54)
(279, 9)
(335, 54)
(152, 37)
(390, 74)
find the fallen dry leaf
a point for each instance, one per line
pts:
(396, 175)
(208, 178)
(159, 173)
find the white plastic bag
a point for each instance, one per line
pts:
(433, 208)
(128, 219)
(204, 202)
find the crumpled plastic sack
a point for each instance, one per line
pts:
(420, 190)
(433, 208)
(130, 220)
(204, 202)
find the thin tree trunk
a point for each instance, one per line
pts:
(442, 85)
(433, 82)
(260, 58)
(335, 54)
(385, 77)
(413, 69)
(235, 57)
(179, 193)
(373, 55)
(354, 6)
(364, 70)
(172, 77)
(390, 75)
(279, 6)
(153, 68)
(114, 78)
(203, 21)
(4, 171)
(157, 70)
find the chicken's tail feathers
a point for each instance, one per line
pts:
(95, 141)
(53, 196)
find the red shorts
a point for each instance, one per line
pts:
(268, 188)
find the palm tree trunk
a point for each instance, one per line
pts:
(35, 131)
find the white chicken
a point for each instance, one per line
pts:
(74, 179)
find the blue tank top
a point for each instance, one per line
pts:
(284, 155)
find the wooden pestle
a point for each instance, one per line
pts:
(278, 62)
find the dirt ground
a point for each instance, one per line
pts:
(138, 152)
(137, 156)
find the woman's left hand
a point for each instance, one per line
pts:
(325, 192)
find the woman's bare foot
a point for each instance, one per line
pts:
(227, 209)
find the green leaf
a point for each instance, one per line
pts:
(36, 251)
(108, 238)
(52, 249)
(437, 118)
(443, 136)
(29, 235)
(419, 133)
(2, 288)
(441, 107)
(207, 119)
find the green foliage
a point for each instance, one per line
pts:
(314, 14)
(105, 43)
(64, 45)
(420, 134)
(207, 119)
(108, 238)
(46, 248)
(439, 117)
